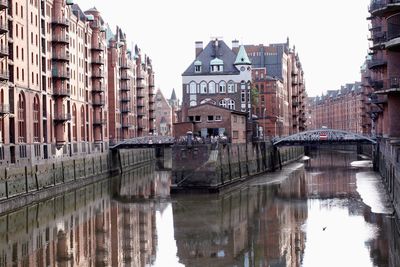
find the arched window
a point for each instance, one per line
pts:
(193, 103)
(231, 87)
(192, 88)
(203, 88)
(21, 119)
(36, 118)
(222, 103)
(222, 87)
(231, 104)
(83, 123)
(211, 87)
(74, 124)
(209, 101)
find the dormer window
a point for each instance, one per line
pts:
(197, 66)
(216, 65)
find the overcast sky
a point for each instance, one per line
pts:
(330, 36)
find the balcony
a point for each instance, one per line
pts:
(3, 4)
(295, 103)
(376, 63)
(60, 38)
(124, 87)
(3, 51)
(4, 75)
(98, 74)
(61, 118)
(62, 56)
(125, 76)
(3, 27)
(98, 61)
(125, 109)
(127, 124)
(4, 109)
(381, 7)
(376, 84)
(125, 98)
(378, 40)
(60, 74)
(64, 22)
(140, 84)
(140, 103)
(99, 122)
(124, 66)
(61, 92)
(140, 94)
(97, 47)
(98, 89)
(393, 29)
(141, 114)
(98, 102)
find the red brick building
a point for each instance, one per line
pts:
(384, 75)
(163, 115)
(344, 109)
(208, 120)
(278, 77)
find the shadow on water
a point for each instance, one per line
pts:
(279, 219)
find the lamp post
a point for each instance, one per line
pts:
(264, 131)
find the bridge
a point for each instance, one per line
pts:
(145, 141)
(323, 137)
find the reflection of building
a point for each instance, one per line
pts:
(244, 225)
(85, 227)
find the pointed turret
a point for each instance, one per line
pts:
(242, 58)
(173, 95)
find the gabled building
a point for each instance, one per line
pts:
(218, 75)
(163, 115)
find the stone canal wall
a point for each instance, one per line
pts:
(389, 168)
(204, 167)
(66, 174)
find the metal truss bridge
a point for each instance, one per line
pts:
(323, 137)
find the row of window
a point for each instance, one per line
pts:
(225, 103)
(213, 87)
(210, 118)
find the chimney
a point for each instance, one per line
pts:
(235, 46)
(199, 47)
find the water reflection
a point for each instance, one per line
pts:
(325, 212)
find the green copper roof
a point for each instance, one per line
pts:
(242, 58)
(197, 63)
(70, 2)
(216, 61)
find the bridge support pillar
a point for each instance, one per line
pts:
(375, 157)
(276, 158)
(359, 149)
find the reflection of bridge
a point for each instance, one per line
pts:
(322, 137)
(145, 141)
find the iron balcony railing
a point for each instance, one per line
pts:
(4, 108)
(3, 4)
(60, 21)
(393, 27)
(126, 109)
(61, 91)
(97, 121)
(60, 38)
(4, 75)
(3, 51)
(98, 89)
(62, 117)
(376, 63)
(64, 56)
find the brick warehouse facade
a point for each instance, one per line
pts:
(278, 77)
(344, 109)
(384, 69)
(54, 74)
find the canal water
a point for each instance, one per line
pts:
(326, 210)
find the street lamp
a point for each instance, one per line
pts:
(264, 132)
